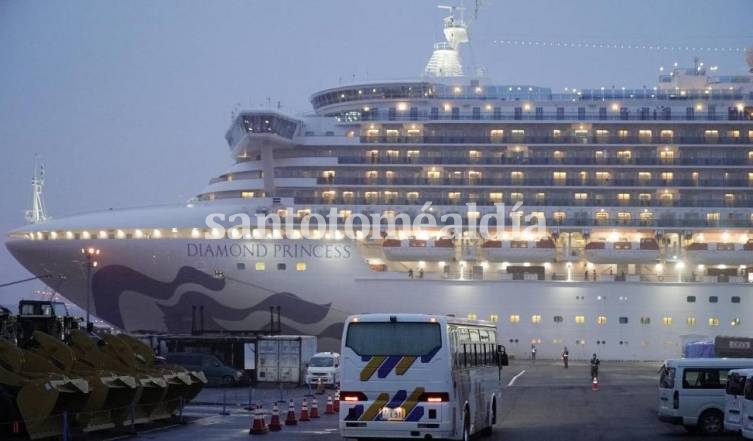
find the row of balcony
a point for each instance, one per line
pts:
(597, 203)
(511, 138)
(515, 159)
(501, 181)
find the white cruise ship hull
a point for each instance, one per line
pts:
(154, 285)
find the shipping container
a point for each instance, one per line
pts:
(283, 358)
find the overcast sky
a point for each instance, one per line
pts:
(128, 102)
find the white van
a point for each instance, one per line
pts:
(747, 410)
(733, 399)
(324, 366)
(692, 390)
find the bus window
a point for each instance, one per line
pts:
(394, 339)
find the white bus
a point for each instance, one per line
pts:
(692, 391)
(419, 376)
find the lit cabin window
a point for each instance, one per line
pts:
(735, 321)
(601, 320)
(497, 197)
(713, 217)
(472, 316)
(494, 318)
(666, 321)
(300, 266)
(713, 321)
(581, 196)
(514, 318)
(690, 321)
(247, 194)
(260, 266)
(579, 319)
(536, 319)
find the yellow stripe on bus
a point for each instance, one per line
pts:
(404, 364)
(371, 367)
(412, 400)
(375, 407)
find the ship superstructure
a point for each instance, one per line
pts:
(646, 195)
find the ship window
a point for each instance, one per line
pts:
(623, 320)
(581, 196)
(494, 318)
(536, 319)
(300, 266)
(735, 321)
(260, 266)
(240, 266)
(514, 318)
(579, 319)
(713, 299)
(558, 319)
(690, 299)
(472, 316)
(666, 321)
(281, 267)
(713, 321)
(559, 216)
(601, 320)
(690, 321)
(735, 299)
(645, 320)
(713, 217)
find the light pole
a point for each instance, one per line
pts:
(89, 254)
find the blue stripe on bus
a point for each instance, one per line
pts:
(354, 413)
(427, 358)
(388, 365)
(398, 399)
(415, 414)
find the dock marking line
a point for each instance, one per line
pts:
(512, 381)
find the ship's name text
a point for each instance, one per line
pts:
(317, 251)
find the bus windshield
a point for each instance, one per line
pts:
(393, 338)
(322, 362)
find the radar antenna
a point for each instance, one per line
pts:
(38, 212)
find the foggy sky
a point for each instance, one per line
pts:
(128, 102)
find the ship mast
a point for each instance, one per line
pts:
(445, 60)
(38, 212)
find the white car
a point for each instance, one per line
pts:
(324, 366)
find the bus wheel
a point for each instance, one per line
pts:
(711, 422)
(492, 420)
(467, 427)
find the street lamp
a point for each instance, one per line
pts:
(89, 254)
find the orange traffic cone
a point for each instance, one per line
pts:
(595, 384)
(290, 420)
(336, 403)
(304, 412)
(259, 427)
(330, 409)
(314, 408)
(274, 424)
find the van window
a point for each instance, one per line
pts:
(322, 362)
(708, 378)
(393, 339)
(667, 378)
(735, 384)
(748, 392)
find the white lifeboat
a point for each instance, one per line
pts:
(432, 250)
(721, 253)
(645, 250)
(542, 250)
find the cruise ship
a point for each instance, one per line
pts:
(627, 227)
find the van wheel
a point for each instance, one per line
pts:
(711, 422)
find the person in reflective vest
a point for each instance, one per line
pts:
(595, 367)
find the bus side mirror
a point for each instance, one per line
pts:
(502, 356)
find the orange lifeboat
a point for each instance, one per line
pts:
(432, 250)
(542, 250)
(645, 250)
(721, 253)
